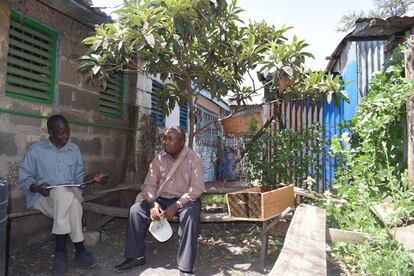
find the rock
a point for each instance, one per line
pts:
(91, 238)
(388, 199)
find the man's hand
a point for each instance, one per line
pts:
(41, 189)
(171, 211)
(156, 211)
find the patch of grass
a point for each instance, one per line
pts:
(211, 199)
(219, 201)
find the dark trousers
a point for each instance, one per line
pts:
(189, 229)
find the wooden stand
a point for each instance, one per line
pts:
(258, 204)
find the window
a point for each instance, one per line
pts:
(111, 99)
(31, 60)
(184, 117)
(157, 113)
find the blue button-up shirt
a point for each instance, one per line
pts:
(45, 163)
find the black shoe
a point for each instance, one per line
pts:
(59, 263)
(128, 264)
(186, 273)
(84, 259)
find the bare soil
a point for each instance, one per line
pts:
(224, 249)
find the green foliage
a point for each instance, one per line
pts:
(285, 156)
(253, 124)
(378, 256)
(199, 44)
(213, 199)
(375, 160)
(202, 40)
(371, 167)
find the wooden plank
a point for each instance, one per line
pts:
(105, 210)
(277, 200)
(303, 252)
(23, 214)
(409, 73)
(98, 223)
(123, 213)
(222, 190)
(101, 193)
(384, 212)
(337, 235)
(332, 234)
(313, 195)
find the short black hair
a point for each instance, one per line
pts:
(52, 120)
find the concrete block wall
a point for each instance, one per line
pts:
(104, 148)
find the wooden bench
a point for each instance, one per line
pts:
(304, 249)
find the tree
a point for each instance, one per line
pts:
(383, 9)
(197, 44)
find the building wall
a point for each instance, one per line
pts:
(357, 63)
(209, 105)
(103, 140)
(371, 57)
(173, 119)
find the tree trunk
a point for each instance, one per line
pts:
(191, 110)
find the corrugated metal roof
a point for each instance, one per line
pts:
(372, 29)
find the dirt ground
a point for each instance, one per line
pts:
(224, 249)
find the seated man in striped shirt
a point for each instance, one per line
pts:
(179, 197)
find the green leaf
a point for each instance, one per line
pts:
(150, 39)
(96, 69)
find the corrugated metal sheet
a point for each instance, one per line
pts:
(370, 58)
(299, 115)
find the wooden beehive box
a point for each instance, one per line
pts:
(258, 203)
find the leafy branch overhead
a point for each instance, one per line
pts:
(199, 44)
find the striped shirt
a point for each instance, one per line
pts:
(187, 183)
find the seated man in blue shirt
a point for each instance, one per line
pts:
(57, 161)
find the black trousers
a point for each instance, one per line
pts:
(189, 229)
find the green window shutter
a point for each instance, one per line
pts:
(31, 60)
(111, 99)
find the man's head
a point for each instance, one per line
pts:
(58, 129)
(173, 140)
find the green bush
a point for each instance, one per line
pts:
(371, 166)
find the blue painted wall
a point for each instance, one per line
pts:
(334, 115)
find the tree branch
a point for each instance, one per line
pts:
(255, 138)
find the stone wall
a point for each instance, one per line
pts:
(105, 147)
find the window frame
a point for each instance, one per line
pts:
(156, 112)
(120, 115)
(19, 18)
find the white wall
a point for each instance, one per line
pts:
(174, 118)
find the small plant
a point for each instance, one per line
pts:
(213, 201)
(288, 156)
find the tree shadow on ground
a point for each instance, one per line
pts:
(224, 249)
